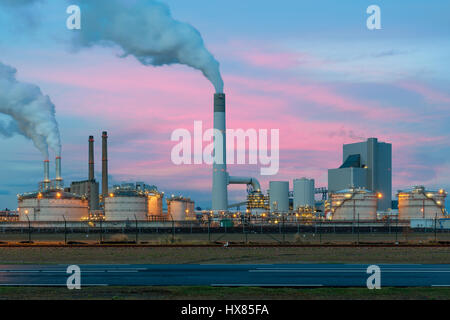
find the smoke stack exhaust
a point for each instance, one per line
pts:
(46, 173)
(91, 158)
(105, 165)
(58, 172)
(220, 175)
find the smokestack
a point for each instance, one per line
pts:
(46, 173)
(105, 165)
(220, 175)
(58, 172)
(91, 158)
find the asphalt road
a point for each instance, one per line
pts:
(275, 275)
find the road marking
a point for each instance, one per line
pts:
(264, 285)
(49, 285)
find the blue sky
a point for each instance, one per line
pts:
(310, 68)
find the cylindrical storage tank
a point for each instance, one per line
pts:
(122, 207)
(176, 208)
(419, 203)
(155, 204)
(279, 196)
(354, 204)
(52, 206)
(303, 193)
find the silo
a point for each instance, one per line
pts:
(125, 205)
(279, 196)
(54, 205)
(418, 202)
(176, 208)
(303, 193)
(354, 204)
(155, 204)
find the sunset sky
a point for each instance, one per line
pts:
(308, 68)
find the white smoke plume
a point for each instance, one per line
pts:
(33, 113)
(146, 30)
(9, 129)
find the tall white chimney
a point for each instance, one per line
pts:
(220, 175)
(58, 177)
(46, 174)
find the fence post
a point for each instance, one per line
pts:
(358, 228)
(137, 230)
(101, 231)
(65, 230)
(29, 229)
(209, 226)
(435, 228)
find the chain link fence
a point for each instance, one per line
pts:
(225, 231)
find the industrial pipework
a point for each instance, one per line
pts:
(221, 179)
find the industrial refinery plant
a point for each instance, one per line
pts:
(360, 189)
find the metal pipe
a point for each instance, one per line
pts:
(104, 165)
(245, 180)
(91, 158)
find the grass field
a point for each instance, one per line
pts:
(250, 237)
(193, 255)
(194, 293)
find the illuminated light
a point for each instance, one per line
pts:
(26, 211)
(438, 202)
(429, 195)
(348, 195)
(441, 191)
(58, 195)
(379, 195)
(111, 195)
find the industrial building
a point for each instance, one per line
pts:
(220, 178)
(420, 203)
(365, 165)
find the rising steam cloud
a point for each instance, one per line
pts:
(32, 113)
(146, 30)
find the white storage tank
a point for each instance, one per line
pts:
(52, 205)
(419, 203)
(178, 208)
(155, 204)
(279, 196)
(303, 193)
(122, 205)
(354, 204)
